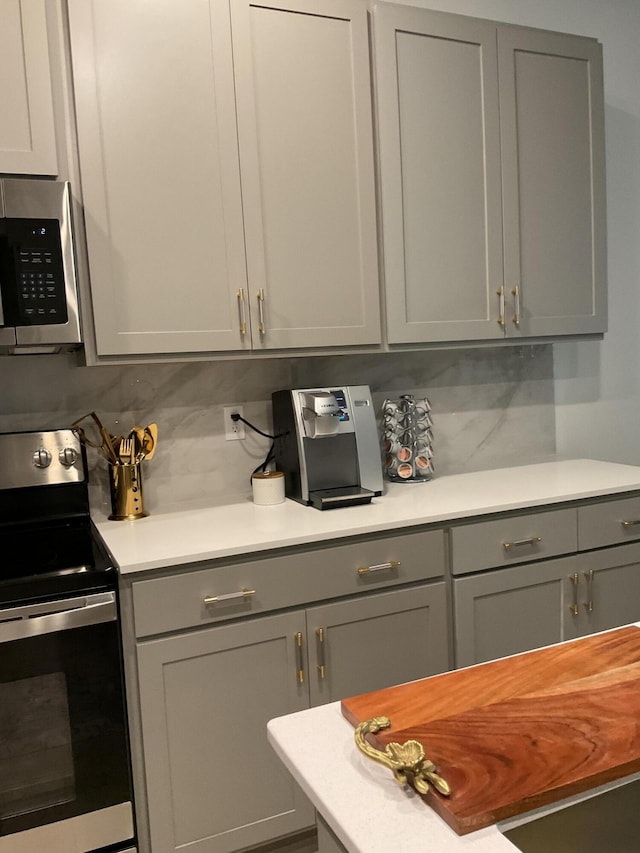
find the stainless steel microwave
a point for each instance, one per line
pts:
(38, 283)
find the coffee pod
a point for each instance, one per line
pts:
(268, 488)
(404, 454)
(423, 466)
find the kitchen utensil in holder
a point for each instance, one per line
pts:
(407, 439)
(125, 484)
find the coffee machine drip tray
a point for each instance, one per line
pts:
(343, 496)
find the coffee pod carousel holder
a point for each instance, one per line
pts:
(407, 439)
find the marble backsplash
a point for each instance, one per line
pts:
(492, 407)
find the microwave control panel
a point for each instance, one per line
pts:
(34, 285)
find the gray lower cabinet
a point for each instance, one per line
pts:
(507, 611)
(370, 643)
(608, 587)
(213, 783)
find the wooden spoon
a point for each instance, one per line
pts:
(150, 440)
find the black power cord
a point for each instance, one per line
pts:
(270, 455)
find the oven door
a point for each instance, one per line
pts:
(64, 761)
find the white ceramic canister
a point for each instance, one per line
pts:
(268, 488)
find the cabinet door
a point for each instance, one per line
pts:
(213, 782)
(513, 610)
(370, 643)
(609, 589)
(159, 164)
(306, 149)
(552, 124)
(27, 132)
(437, 110)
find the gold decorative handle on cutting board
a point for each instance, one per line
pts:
(406, 760)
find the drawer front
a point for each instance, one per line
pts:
(508, 541)
(608, 523)
(290, 579)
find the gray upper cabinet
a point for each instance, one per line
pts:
(306, 153)
(492, 178)
(552, 136)
(437, 109)
(160, 175)
(216, 224)
(27, 130)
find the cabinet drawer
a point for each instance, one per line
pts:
(608, 523)
(508, 541)
(289, 579)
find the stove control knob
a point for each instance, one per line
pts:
(68, 456)
(42, 458)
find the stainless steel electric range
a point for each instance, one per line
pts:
(65, 781)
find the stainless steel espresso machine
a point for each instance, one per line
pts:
(328, 447)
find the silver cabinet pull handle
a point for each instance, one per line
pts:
(575, 580)
(381, 567)
(322, 668)
(516, 305)
(262, 328)
(242, 312)
(532, 540)
(589, 604)
(243, 593)
(500, 306)
(299, 641)
(632, 523)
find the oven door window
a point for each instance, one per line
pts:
(63, 740)
(36, 755)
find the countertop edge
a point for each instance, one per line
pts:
(199, 534)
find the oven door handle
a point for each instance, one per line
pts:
(32, 620)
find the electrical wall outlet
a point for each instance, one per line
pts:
(233, 430)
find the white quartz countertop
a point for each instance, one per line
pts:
(191, 534)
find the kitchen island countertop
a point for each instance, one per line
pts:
(188, 534)
(361, 802)
(359, 799)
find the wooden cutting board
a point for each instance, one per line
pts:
(519, 733)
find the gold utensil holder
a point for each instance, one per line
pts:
(125, 484)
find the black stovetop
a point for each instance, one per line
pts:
(53, 559)
(49, 547)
